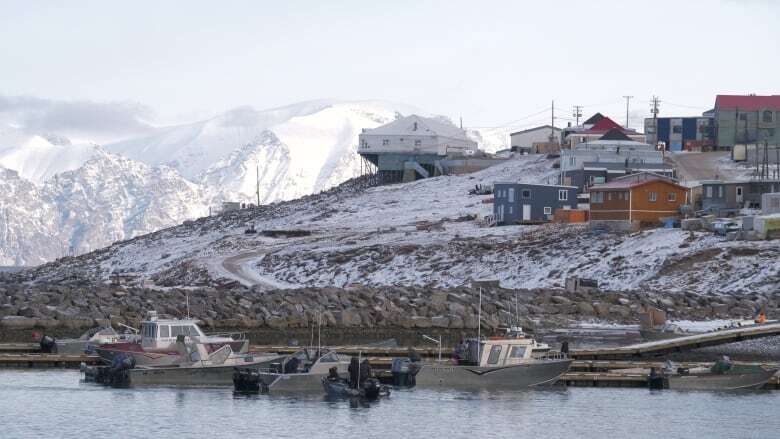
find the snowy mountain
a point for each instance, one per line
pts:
(299, 149)
(108, 198)
(37, 157)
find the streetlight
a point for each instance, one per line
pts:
(431, 339)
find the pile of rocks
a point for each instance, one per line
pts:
(52, 306)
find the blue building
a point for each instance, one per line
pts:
(522, 202)
(679, 133)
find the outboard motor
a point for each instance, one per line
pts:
(247, 381)
(371, 388)
(48, 344)
(119, 375)
(404, 372)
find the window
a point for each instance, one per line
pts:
(510, 209)
(495, 353)
(709, 192)
(563, 195)
(511, 195)
(177, 331)
(609, 196)
(418, 143)
(672, 196)
(597, 197)
(165, 331)
(526, 193)
(517, 352)
(385, 142)
(743, 117)
(767, 116)
(548, 210)
(677, 129)
(652, 196)
(720, 191)
(329, 358)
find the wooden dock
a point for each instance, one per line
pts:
(46, 360)
(680, 344)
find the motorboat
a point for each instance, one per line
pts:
(199, 368)
(156, 343)
(723, 375)
(84, 344)
(509, 362)
(300, 372)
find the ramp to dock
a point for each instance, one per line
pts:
(679, 344)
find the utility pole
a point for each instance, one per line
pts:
(552, 122)
(627, 98)
(577, 113)
(654, 111)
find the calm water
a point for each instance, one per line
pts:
(36, 404)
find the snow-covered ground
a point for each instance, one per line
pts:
(372, 237)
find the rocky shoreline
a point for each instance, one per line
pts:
(69, 309)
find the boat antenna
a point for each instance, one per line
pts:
(517, 313)
(187, 297)
(319, 332)
(479, 328)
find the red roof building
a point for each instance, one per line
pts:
(747, 103)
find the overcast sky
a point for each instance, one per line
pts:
(491, 62)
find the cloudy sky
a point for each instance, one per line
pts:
(491, 62)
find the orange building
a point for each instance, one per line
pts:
(641, 199)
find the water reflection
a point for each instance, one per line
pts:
(544, 412)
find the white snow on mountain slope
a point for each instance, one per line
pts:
(38, 157)
(109, 198)
(371, 237)
(303, 148)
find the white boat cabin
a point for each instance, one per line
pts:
(158, 333)
(514, 348)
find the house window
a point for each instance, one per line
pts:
(385, 142)
(510, 209)
(743, 117)
(597, 197)
(677, 129)
(653, 196)
(563, 195)
(672, 196)
(720, 191)
(548, 210)
(511, 195)
(709, 192)
(418, 143)
(767, 116)
(526, 193)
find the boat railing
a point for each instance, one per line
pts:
(551, 355)
(238, 336)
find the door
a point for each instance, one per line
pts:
(526, 212)
(740, 198)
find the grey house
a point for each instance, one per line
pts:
(724, 197)
(522, 202)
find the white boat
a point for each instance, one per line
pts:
(200, 367)
(302, 372)
(84, 344)
(511, 362)
(156, 344)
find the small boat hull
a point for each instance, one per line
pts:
(292, 383)
(142, 357)
(713, 381)
(512, 377)
(201, 376)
